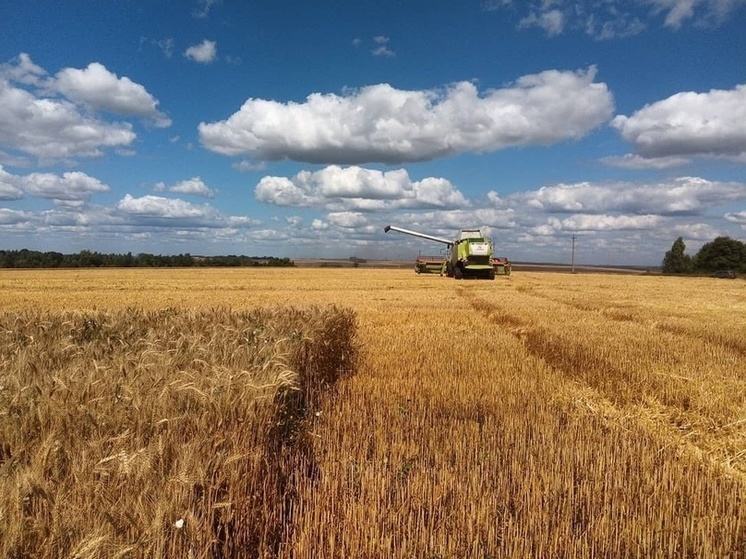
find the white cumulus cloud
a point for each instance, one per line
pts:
(13, 217)
(195, 186)
(604, 222)
(98, 88)
(702, 232)
(159, 211)
(358, 188)
(347, 220)
(737, 217)
(683, 195)
(8, 189)
(35, 121)
(380, 123)
(688, 124)
(160, 207)
(22, 70)
(635, 161)
(70, 186)
(204, 53)
(51, 129)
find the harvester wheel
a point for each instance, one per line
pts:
(458, 272)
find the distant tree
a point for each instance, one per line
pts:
(676, 261)
(25, 258)
(88, 259)
(53, 259)
(723, 253)
(123, 260)
(145, 259)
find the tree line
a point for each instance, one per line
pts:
(724, 254)
(25, 258)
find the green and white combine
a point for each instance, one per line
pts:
(470, 255)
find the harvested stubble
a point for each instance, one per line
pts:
(481, 444)
(167, 433)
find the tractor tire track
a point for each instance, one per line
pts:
(574, 361)
(625, 313)
(735, 345)
(618, 392)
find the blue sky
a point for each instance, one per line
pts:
(301, 129)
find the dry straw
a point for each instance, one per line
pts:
(540, 415)
(165, 433)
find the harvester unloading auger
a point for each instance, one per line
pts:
(470, 256)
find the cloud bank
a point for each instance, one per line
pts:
(356, 188)
(70, 186)
(679, 196)
(379, 123)
(35, 121)
(689, 124)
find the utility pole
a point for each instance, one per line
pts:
(573, 254)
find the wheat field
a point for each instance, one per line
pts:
(539, 415)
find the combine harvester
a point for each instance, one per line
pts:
(470, 256)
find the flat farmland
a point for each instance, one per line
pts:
(539, 415)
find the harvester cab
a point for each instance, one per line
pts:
(470, 255)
